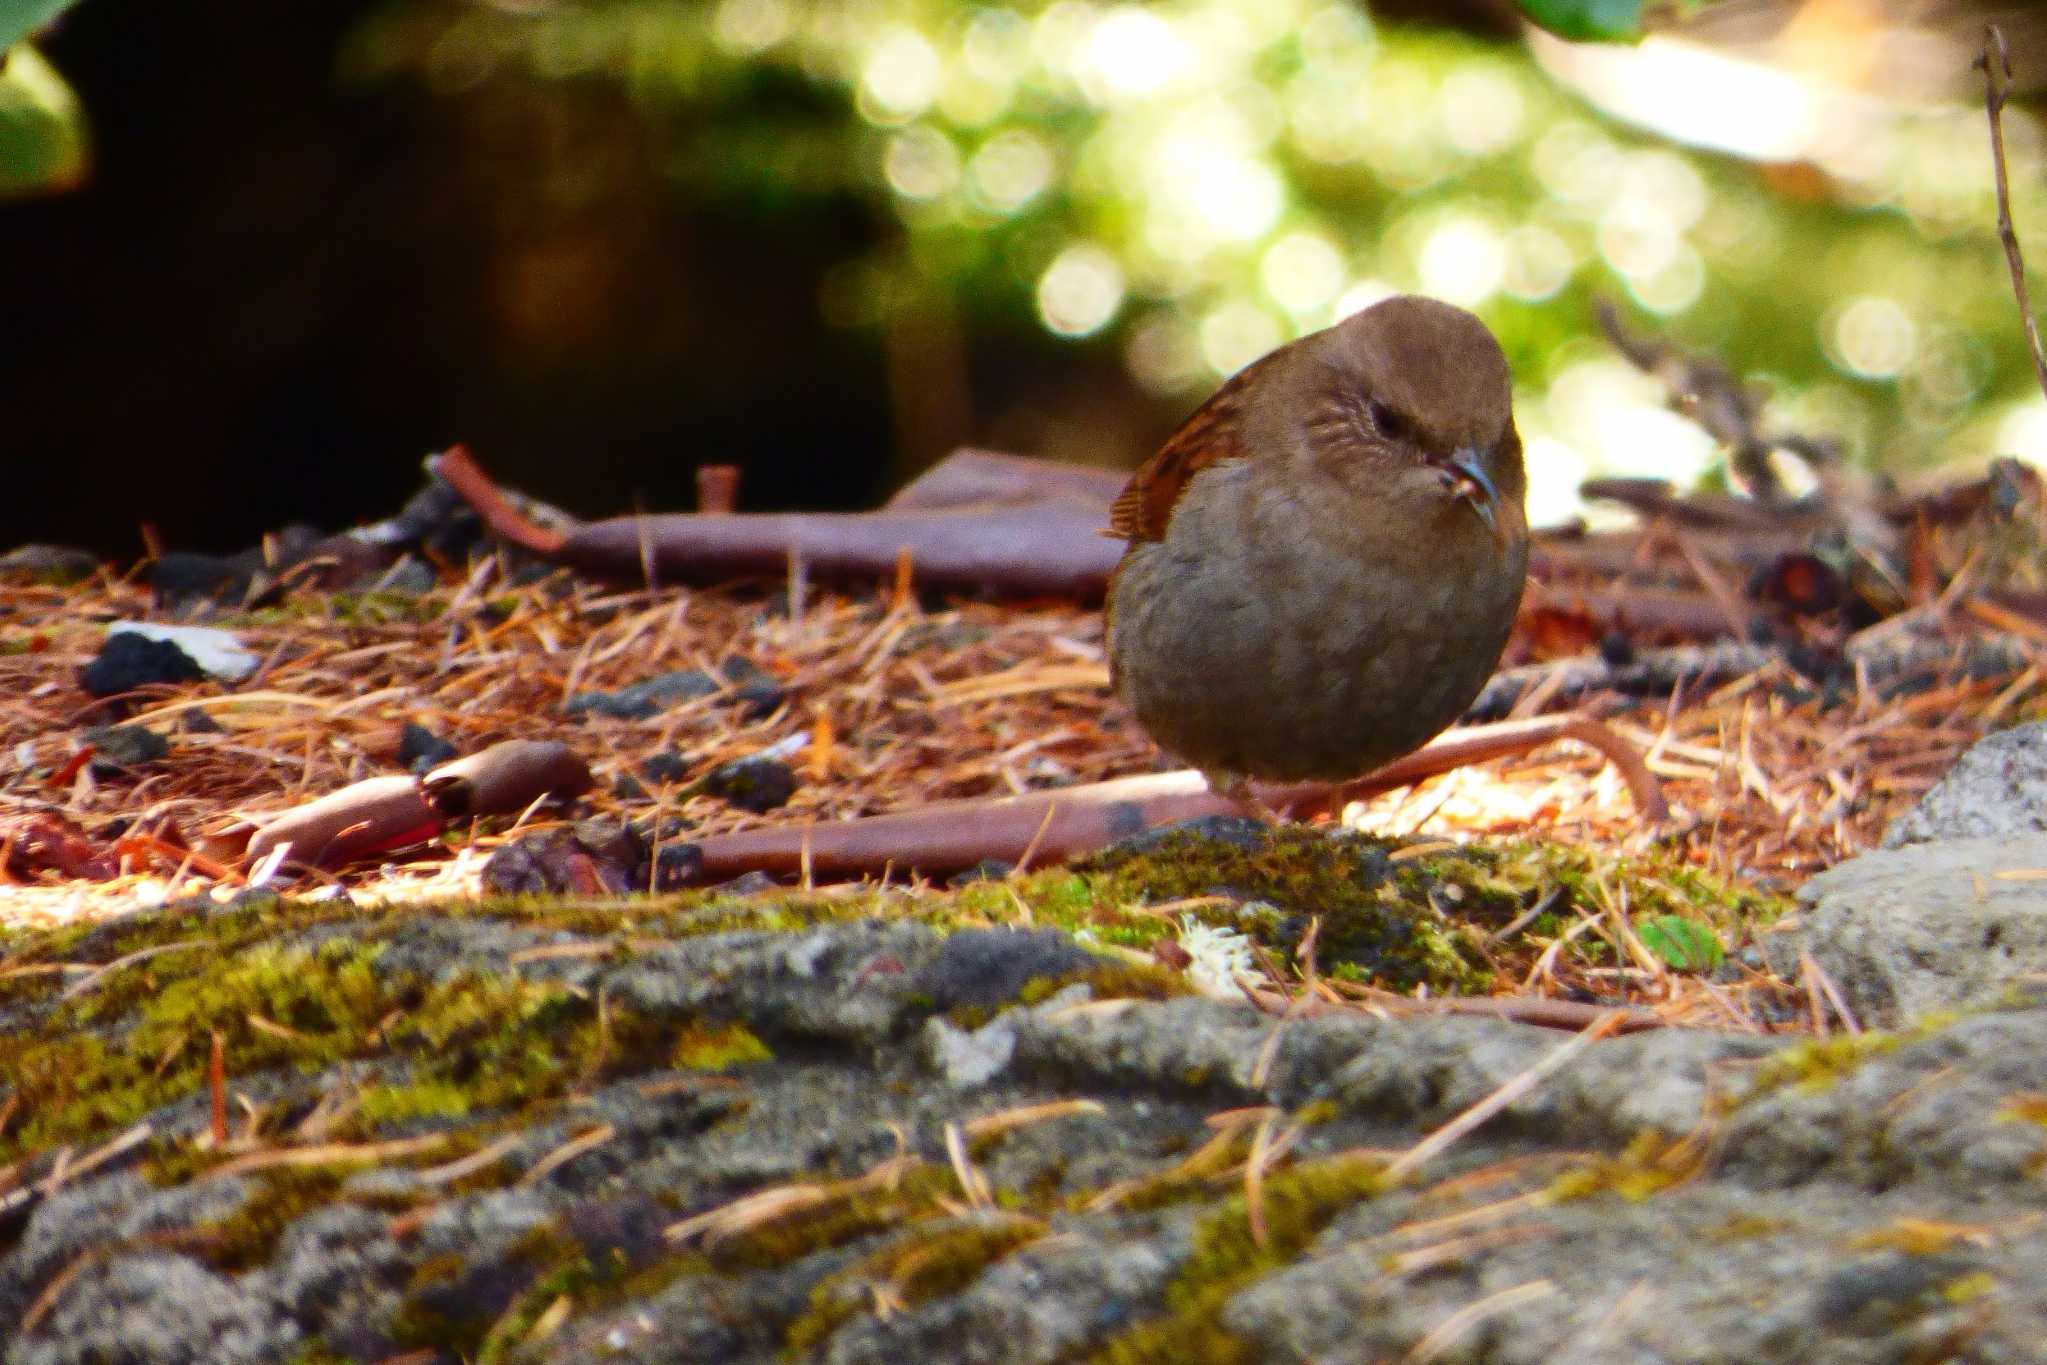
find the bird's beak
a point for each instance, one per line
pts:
(1476, 486)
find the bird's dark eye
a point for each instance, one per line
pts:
(1387, 422)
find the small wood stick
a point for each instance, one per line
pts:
(1254, 1180)
(1996, 89)
(717, 488)
(904, 596)
(1031, 848)
(216, 1081)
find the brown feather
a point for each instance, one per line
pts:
(1144, 507)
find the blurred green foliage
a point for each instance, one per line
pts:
(1598, 20)
(19, 18)
(42, 131)
(1192, 182)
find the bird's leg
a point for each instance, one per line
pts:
(1236, 789)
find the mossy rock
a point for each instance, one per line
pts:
(1381, 919)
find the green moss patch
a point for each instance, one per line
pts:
(928, 1262)
(1402, 915)
(1227, 1254)
(706, 1047)
(1814, 1066)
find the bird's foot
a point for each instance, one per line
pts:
(1236, 788)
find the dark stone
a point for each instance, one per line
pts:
(629, 1229)
(180, 577)
(987, 870)
(756, 690)
(759, 700)
(601, 854)
(666, 769)
(677, 866)
(755, 784)
(420, 750)
(747, 884)
(408, 577)
(613, 840)
(643, 699)
(534, 864)
(47, 564)
(1871, 1297)
(1236, 831)
(989, 967)
(117, 748)
(128, 661)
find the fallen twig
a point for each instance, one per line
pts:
(1052, 826)
(1995, 62)
(1049, 546)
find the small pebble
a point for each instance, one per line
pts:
(128, 661)
(754, 784)
(666, 769)
(117, 748)
(420, 750)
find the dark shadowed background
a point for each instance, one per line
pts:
(603, 243)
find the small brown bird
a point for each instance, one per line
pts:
(1324, 562)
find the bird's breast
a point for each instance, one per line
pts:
(1257, 637)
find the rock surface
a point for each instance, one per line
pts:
(1904, 932)
(761, 1145)
(1997, 787)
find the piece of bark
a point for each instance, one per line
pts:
(1657, 613)
(506, 778)
(717, 489)
(1049, 827)
(361, 820)
(970, 477)
(1649, 673)
(45, 841)
(2006, 487)
(1049, 547)
(1654, 499)
(1652, 552)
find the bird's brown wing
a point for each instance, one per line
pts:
(1213, 433)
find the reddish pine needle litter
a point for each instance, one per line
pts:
(1772, 773)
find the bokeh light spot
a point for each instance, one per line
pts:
(1673, 287)
(1481, 109)
(921, 163)
(1010, 170)
(1302, 271)
(1164, 354)
(1555, 470)
(1463, 262)
(1236, 334)
(996, 47)
(1576, 163)
(1360, 296)
(2022, 431)
(900, 77)
(1239, 198)
(1080, 291)
(1130, 53)
(744, 27)
(1636, 236)
(1539, 263)
(1871, 336)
